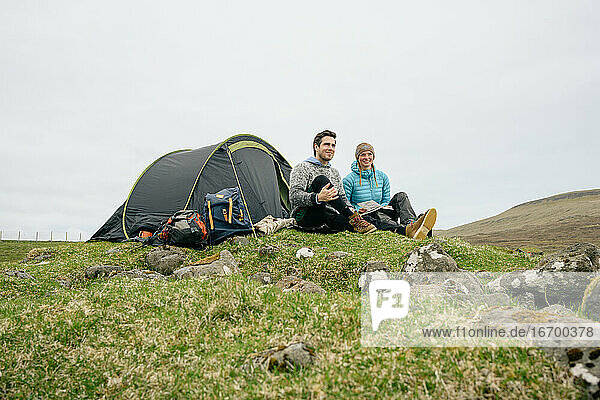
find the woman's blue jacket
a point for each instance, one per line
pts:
(369, 185)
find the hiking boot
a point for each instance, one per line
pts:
(360, 225)
(421, 227)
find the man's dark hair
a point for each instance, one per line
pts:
(319, 138)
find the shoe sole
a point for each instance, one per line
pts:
(427, 224)
(370, 231)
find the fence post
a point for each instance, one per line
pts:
(66, 236)
(0, 235)
(19, 237)
(36, 236)
(80, 236)
(50, 235)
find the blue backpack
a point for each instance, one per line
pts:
(225, 215)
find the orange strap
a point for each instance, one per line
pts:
(230, 210)
(212, 225)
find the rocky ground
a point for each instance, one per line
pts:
(280, 317)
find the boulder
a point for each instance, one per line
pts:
(294, 284)
(140, 274)
(304, 252)
(464, 282)
(97, 271)
(547, 287)
(225, 265)
(580, 257)
(282, 358)
(375, 265)
(264, 278)
(268, 250)
(241, 240)
(367, 277)
(591, 299)
(37, 255)
(165, 261)
(430, 258)
(558, 309)
(18, 274)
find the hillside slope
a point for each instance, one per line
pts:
(546, 224)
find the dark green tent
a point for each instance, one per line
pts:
(180, 180)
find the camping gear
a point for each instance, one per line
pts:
(185, 228)
(224, 215)
(180, 180)
(269, 225)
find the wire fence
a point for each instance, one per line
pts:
(44, 236)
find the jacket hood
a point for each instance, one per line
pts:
(364, 174)
(313, 160)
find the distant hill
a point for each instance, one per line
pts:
(546, 224)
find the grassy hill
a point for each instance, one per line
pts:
(546, 224)
(123, 338)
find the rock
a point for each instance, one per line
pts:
(225, 265)
(283, 358)
(426, 290)
(451, 286)
(268, 250)
(140, 274)
(375, 265)
(37, 255)
(526, 300)
(304, 252)
(294, 284)
(264, 278)
(165, 261)
(558, 309)
(485, 276)
(97, 271)
(64, 282)
(430, 258)
(241, 240)
(367, 277)
(584, 362)
(18, 274)
(488, 299)
(337, 255)
(591, 299)
(546, 287)
(453, 282)
(581, 257)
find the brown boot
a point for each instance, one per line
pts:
(421, 227)
(360, 225)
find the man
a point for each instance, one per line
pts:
(316, 193)
(365, 183)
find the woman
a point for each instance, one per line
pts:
(365, 183)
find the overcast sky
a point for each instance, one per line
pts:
(472, 106)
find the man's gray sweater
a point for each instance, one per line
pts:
(302, 176)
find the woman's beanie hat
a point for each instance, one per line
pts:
(362, 147)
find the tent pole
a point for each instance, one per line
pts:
(241, 191)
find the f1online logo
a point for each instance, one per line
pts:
(389, 300)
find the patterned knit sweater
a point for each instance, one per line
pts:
(302, 176)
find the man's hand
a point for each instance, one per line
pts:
(327, 194)
(362, 210)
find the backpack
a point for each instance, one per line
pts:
(185, 228)
(225, 215)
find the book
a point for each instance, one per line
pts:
(371, 206)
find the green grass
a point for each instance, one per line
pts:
(188, 339)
